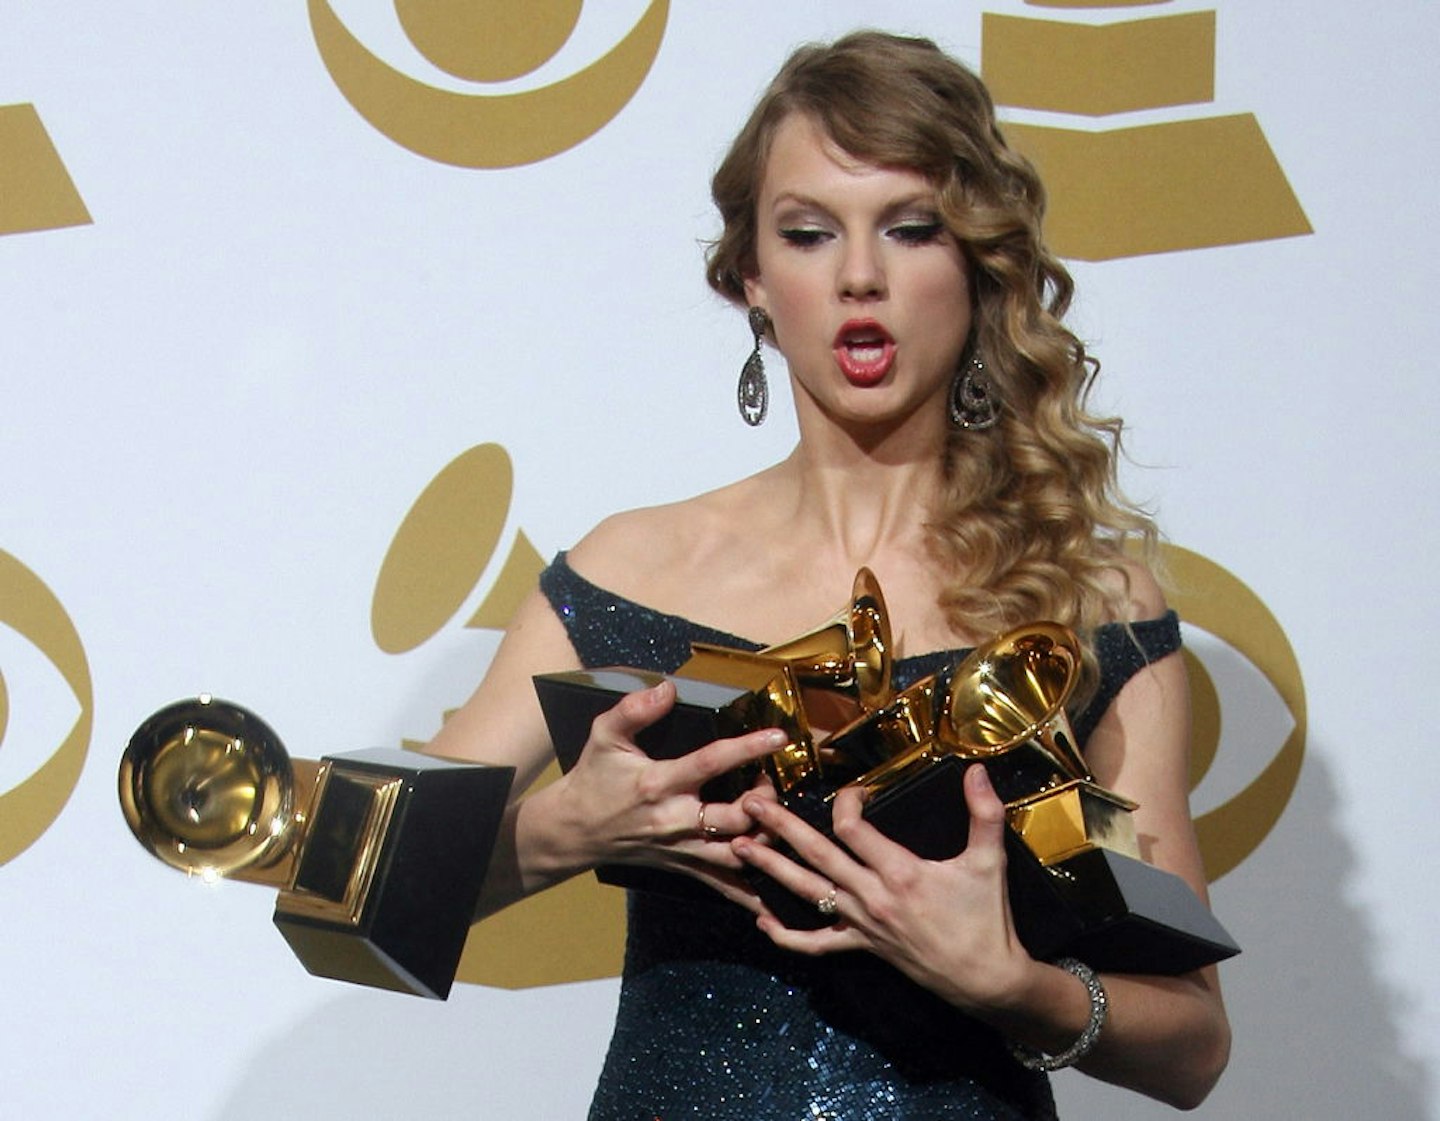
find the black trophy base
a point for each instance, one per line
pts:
(404, 926)
(1119, 915)
(704, 711)
(924, 811)
(1114, 912)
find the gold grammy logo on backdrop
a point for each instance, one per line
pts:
(1187, 183)
(487, 41)
(36, 192)
(436, 561)
(29, 608)
(1214, 600)
(443, 547)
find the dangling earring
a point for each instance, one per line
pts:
(972, 400)
(753, 394)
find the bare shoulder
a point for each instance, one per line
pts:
(638, 552)
(1136, 591)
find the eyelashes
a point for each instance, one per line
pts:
(917, 233)
(802, 237)
(906, 233)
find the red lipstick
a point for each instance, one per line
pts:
(864, 351)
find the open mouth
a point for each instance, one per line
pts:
(864, 351)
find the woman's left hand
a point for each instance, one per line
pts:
(946, 924)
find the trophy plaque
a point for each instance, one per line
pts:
(378, 855)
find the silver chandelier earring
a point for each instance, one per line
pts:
(973, 406)
(753, 394)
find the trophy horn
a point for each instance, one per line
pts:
(1006, 698)
(852, 650)
(207, 787)
(1010, 694)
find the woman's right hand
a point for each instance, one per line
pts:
(619, 806)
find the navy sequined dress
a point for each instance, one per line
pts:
(716, 1023)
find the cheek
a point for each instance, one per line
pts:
(948, 287)
(950, 303)
(794, 301)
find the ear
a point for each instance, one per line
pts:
(755, 293)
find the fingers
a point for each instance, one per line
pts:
(826, 940)
(634, 712)
(987, 812)
(818, 862)
(718, 758)
(719, 821)
(869, 844)
(797, 878)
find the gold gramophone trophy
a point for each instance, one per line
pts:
(1077, 883)
(378, 855)
(721, 692)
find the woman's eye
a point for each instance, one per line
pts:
(917, 233)
(802, 236)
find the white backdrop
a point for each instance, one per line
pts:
(224, 393)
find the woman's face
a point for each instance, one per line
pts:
(868, 292)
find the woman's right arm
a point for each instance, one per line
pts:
(617, 805)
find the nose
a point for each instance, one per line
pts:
(862, 273)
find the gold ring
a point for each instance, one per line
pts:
(826, 904)
(705, 830)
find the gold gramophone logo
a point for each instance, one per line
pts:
(31, 803)
(444, 547)
(1186, 183)
(36, 192)
(487, 41)
(440, 560)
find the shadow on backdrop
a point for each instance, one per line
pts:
(1316, 1028)
(484, 1053)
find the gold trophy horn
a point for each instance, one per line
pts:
(1077, 883)
(208, 788)
(1010, 694)
(850, 651)
(848, 656)
(1006, 705)
(378, 854)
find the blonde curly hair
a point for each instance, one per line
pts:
(1031, 514)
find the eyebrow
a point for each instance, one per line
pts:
(924, 199)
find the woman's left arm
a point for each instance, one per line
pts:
(947, 924)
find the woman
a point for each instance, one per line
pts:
(890, 241)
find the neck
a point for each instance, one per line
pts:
(863, 491)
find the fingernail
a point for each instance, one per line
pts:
(776, 738)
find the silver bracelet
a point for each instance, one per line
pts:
(1033, 1059)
